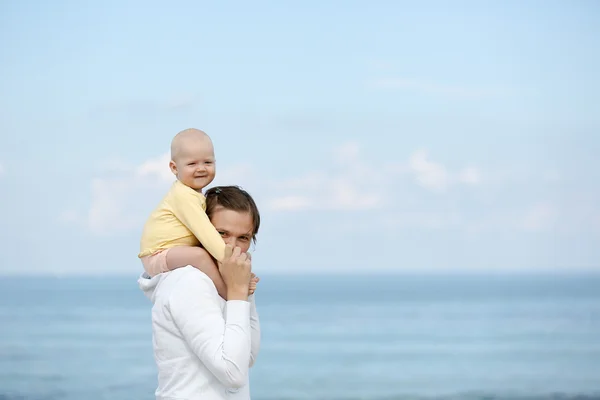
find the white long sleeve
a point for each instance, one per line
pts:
(254, 331)
(222, 343)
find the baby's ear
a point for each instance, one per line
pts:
(173, 167)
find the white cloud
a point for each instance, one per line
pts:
(351, 184)
(124, 196)
(362, 184)
(541, 216)
(348, 181)
(428, 174)
(157, 167)
(347, 152)
(470, 176)
(435, 176)
(121, 199)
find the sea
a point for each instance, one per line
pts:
(384, 337)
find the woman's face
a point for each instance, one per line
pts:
(234, 227)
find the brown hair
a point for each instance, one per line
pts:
(233, 198)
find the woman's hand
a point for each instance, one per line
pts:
(236, 270)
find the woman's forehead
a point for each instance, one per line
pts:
(238, 222)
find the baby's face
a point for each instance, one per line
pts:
(195, 165)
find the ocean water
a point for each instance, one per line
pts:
(324, 337)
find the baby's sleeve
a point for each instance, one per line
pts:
(190, 212)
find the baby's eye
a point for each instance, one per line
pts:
(208, 162)
(191, 164)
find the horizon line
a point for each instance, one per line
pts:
(412, 272)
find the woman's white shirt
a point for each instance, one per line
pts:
(203, 345)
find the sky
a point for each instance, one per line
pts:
(376, 137)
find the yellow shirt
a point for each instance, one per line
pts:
(180, 220)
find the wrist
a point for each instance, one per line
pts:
(237, 292)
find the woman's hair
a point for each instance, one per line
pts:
(232, 198)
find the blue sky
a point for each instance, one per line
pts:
(390, 136)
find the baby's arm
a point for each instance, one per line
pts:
(189, 211)
(197, 257)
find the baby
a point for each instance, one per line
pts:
(179, 224)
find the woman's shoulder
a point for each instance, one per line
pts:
(186, 288)
(189, 274)
(190, 278)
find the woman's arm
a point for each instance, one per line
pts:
(254, 331)
(223, 345)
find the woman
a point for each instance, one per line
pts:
(203, 344)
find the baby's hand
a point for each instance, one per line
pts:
(253, 281)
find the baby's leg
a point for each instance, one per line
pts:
(197, 257)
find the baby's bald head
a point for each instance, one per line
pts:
(193, 158)
(188, 138)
